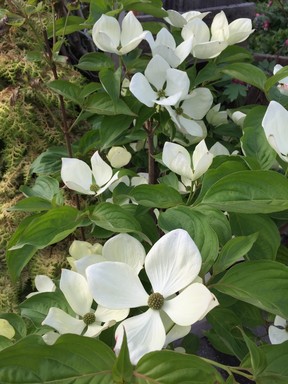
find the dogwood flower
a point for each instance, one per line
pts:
(179, 160)
(275, 128)
(165, 46)
(77, 175)
(188, 113)
(171, 265)
(278, 333)
(233, 33)
(283, 83)
(122, 247)
(160, 83)
(216, 117)
(109, 36)
(86, 321)
(180, 19)
(203, 47)
(80, 249)
(43, 283)
(6, 329)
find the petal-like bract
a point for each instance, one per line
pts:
(77, 175)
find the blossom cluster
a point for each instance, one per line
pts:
(104, 284)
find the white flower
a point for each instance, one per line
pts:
(276, 128)
(187, 114)
(6, 329)
(77, 175)
(110, 37)
(203, 46)
(161, 84)
(216, 117)
(43, 283)
(179, 160)
(219, 149)
(180, 19)
(171, 266)
(122, 247)
(278, 333)
(79, 249)
(86, 321)
(238, 118)
(283, 83)
(165, 46)
(118, 157)
(232, 33)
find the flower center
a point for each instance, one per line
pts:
(155, 300)
(89, 318)
(161, 93)
(179, 111)
(94, 188)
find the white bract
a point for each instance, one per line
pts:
(86, 321)
(203, 47)
(179, 160)
(187, 114)
(43, 283)
(160, 83)
(165, 46)
(109, 36)
(283, 83)
(171, 265)
(6, 329)
(233, 33)
(80, 249)
(216, 117)
(278, 333)
(118, 157)
(122, 247)
(180, 19)
(276, 128)
(77, 175)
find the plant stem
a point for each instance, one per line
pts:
(151, 161)
(230, 370)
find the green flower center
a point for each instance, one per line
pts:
(179, 111)
(94, 188)
(89, 318)
(161, 93)
(155, 301)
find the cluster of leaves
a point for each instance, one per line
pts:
(232, 214)
(270, 25)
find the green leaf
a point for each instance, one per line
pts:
(283, 72)
(67, 89)
(17, 323)
(234, 53)
(111, 82)
(102, 104)
(65, 26)
(32, 204)
(48, 228)
(123, 369)
(156, 196)
(110, 136)
(249, 192)
(72, 359)
(263, 283)
(150, 7)
(276, 370)
(257, 356)
(254, 142)
(95, 61)
(37, 306)
(114, 218)
(209, 73)
(49, 162)
(198, 227)
(169, 367)
(45, 187)
(233, 251)
(224, 322)
(268, 240)
(246, 72)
